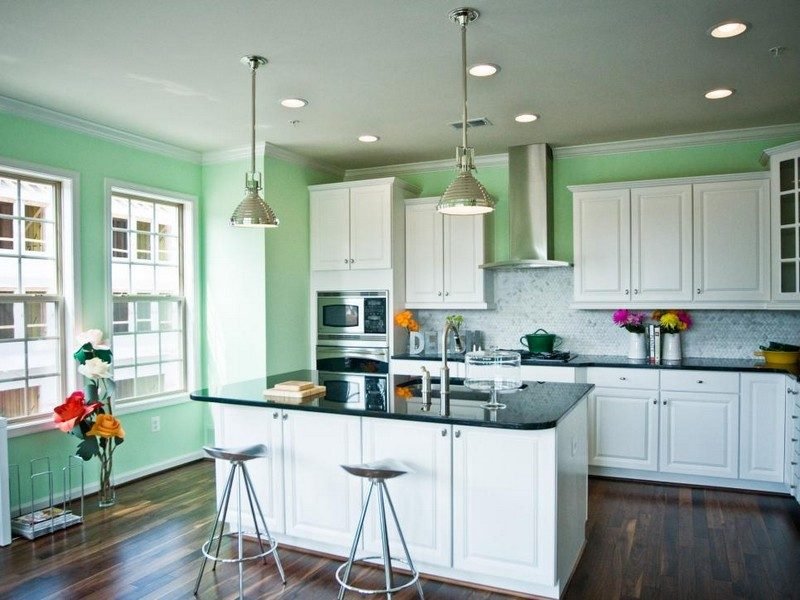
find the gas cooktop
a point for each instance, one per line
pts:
(563, 356)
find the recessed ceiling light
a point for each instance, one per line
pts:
(526, 118)
(719, 93)
(368, 139)
(294, 102)
(727, 29)
(483, 70)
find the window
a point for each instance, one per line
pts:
(36, 284)
(149, 250)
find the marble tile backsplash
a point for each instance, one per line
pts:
(529, 299)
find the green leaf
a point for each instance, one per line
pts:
(104, 355)
(88, 448)
(111, 388)
(90, 391)
(118, 440)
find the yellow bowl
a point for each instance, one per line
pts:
(778, 357)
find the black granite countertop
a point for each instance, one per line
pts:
(537, 405)
(590, 360)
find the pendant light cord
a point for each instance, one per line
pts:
(464, 80)
(253, 65)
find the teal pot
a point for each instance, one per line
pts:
(540, 341)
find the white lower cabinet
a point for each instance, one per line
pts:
(624, 428)
(421, 497)
(763, 424)
(323, 502)
(699, 434)
(503, 504)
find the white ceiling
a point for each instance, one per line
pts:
(596, 70)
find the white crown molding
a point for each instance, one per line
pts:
(770, 152)
(267, 149)
(490, 160)
(679, 141)
(230, 155)
(65, 121)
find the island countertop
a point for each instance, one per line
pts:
(537, 405)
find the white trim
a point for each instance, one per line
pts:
(267, 149)
(679, 141)
(490, 160)
(51, 117)
(770, 152)
(615, 185)
(230, 155)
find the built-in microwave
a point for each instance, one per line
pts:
(352, 318)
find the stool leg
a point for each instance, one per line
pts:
(239, 536)
(387, 557)
(354, 547)
(225, 495)
(247, 489)
(402, 539)
(264, 522)
(224, 515)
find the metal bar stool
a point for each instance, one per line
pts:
(377, 473)
(237, 458)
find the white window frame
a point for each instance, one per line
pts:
(68, 270)
(191, 290)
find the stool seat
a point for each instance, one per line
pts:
(379, 469)
(237, 454)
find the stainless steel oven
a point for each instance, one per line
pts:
(356, 318)
(353, 359)
(354, 390)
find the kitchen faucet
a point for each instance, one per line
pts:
(444, 384)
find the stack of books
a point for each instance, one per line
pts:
(654, 338)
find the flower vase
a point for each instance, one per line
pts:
(637, 346)
(106, 495)
(671, 347)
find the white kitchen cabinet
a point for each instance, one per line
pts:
(785, 222)
(323, 502)
(792, 455)
(732, 241)
(503, 504)
(351, 223)
(633, 245)
(548, 373)
(443, 255)
(763, 426)
(421, 497)
(239, 426)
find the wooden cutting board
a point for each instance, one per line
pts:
(294, 397)
(294, 386)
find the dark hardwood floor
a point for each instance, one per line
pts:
(644, 541)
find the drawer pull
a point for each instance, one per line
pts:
(794, 463)
(623, 378)
(794, 416)
(794, 439)
(699, 381)
(791, 391)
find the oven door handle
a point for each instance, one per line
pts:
(344, 352)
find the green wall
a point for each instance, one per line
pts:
(712, 159)
(95, 160)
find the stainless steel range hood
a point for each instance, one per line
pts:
(530, 209)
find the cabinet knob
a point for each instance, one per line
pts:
(794, 463)
(352, 261)
(635, 290)
(794, 416)
(699, 291)
(655, 401)
(699, 381)
(794, 439)
(623, 378)
(444, 432)
(285, 416)
(791, 391)
(458, 433)
(447, 293)
(346, 261)
(664, 402)
(439, 294)
(627, 292)
(275, 415)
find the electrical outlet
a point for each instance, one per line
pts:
(155, 424)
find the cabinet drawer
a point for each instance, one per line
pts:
(642, 379)
(700, 381)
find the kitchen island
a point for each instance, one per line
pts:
(494, 498)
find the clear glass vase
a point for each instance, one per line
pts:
(106, 495)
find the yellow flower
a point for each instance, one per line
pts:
(406, 319)
(671, 321)
(107, 426)
(402, 392)
(412, 325)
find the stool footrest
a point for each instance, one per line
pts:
(273, 545)
(414, 576)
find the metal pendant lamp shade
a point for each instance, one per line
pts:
(253, 211)
(466, 195)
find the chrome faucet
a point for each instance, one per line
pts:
(444, 385)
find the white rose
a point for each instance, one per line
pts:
(95, 368)
(92, 336)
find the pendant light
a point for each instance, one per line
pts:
(466, 195)
(253, 211)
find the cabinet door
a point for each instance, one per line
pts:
(424, 279)
(370, 227)
(330, 230)
(731, 241)
(238, 426)
(762, 426)
(504, 488)
(602, 243)
(463, 253)
(699, 434)
(323, 502)
(421, 497)
(623, 428)
(786, 226)
(661, 243)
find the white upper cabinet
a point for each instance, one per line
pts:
(443, 258)
(785, 179)
(351, 224)
(701, 242)
(731, 234)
